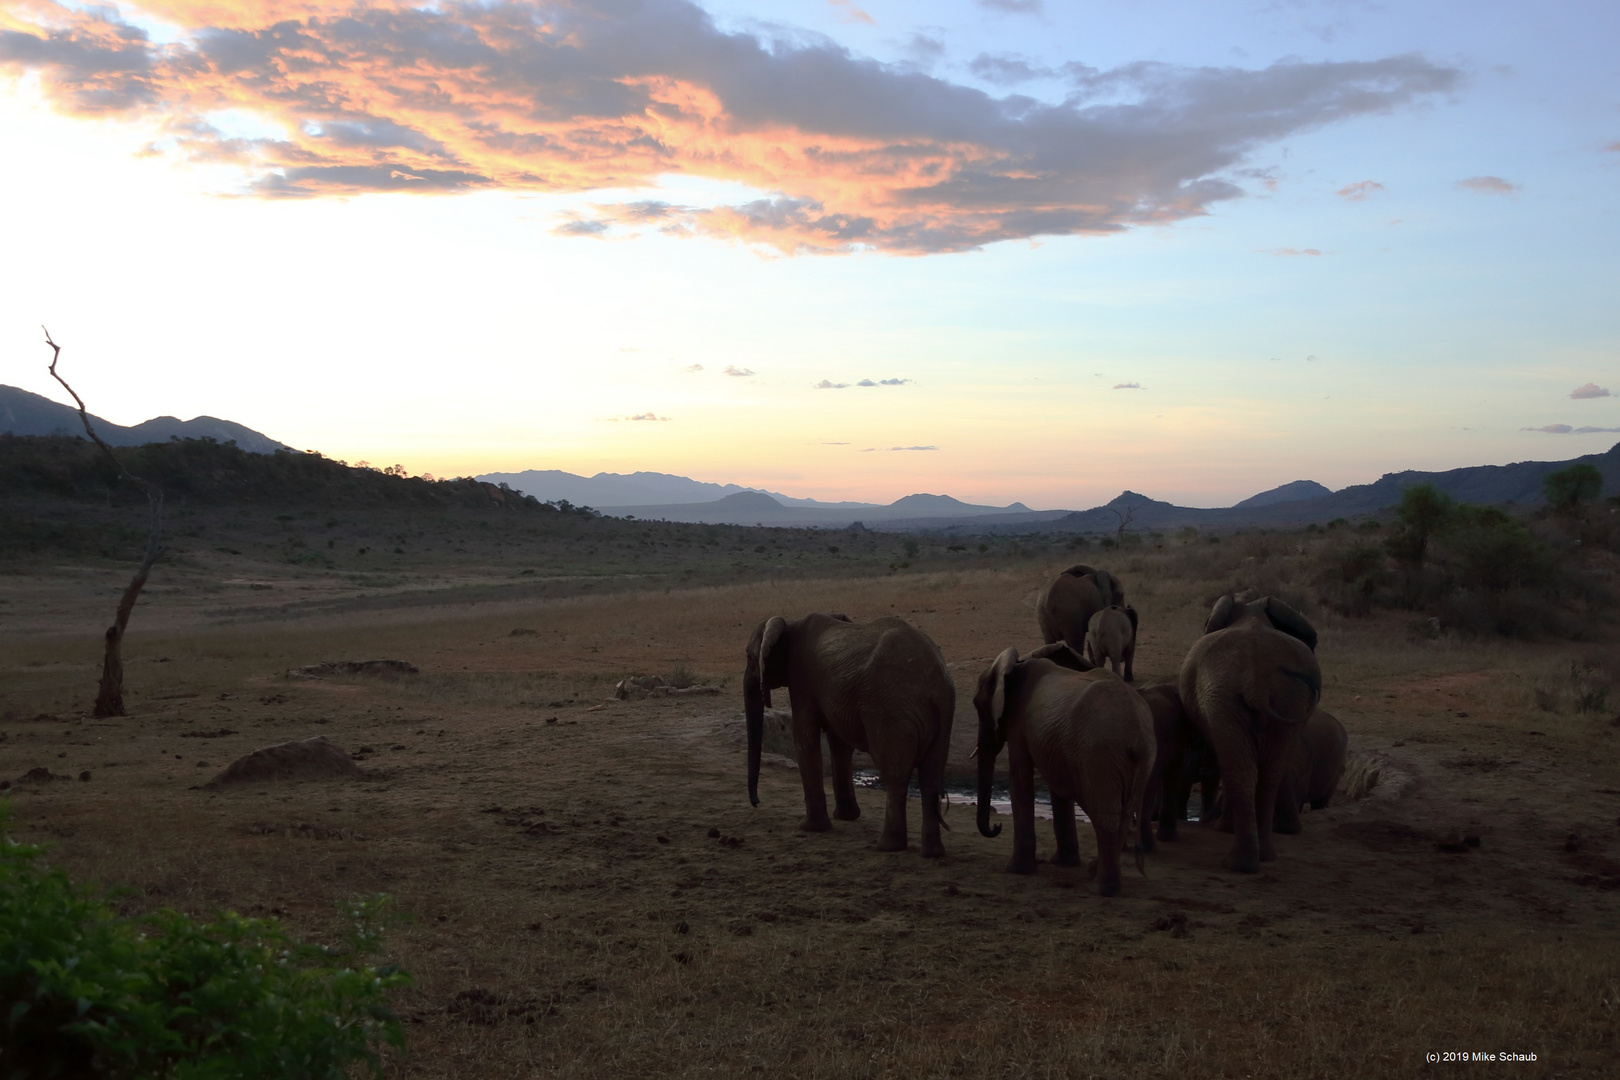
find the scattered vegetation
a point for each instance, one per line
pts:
(89, 992)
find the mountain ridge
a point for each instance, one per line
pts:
(23, 412)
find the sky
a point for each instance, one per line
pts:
(843, 249)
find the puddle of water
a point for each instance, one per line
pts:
(1000, 797)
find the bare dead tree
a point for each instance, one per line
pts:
(110, 698)
(1124, 517)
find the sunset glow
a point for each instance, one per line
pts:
(1195, 251)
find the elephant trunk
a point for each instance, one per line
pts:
(754, 717)
(989, 747)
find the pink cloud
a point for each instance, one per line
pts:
(1360, 191)
(1488, 185)
(1590, 390)
(847, 153)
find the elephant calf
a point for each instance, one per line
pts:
(1314, 767)
(1111, 639)
(1091, 737)
(1182, 757)
(881, 688)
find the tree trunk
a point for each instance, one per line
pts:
(110, 698)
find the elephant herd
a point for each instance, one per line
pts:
(1242, 714)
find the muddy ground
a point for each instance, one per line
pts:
(584, 890)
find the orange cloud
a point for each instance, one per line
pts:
(583, 95)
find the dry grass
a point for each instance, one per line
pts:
(546, 870)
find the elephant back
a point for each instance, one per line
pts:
(1274, 674)
(1065, 607)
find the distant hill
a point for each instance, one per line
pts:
(26, 413)
(1299, 489)
(1518, 483)
(758, 508)
(643, 489)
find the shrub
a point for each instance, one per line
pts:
(87, 992)
(1567, 489)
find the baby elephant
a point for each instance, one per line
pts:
(1091, 737)
(1111, 639)
(1182, 758)
(1315, 765)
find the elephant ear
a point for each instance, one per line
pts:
(998, 674)
(768, 641)
(1289, 621)
(1061, 654)
(1078, 570)
(1220, 616)
(1106, 587)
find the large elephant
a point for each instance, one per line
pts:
(1111, 639)
(1065, 607)
(1248, 684)
(1182, 757)
(1315, 763)
(879, 687)
(1091, 737)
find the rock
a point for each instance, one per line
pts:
(1454, 843)
(306, 759)
(353, 667)
(39, 774)
(523, 631)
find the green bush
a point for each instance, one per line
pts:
(1568, 488)
(86, 992)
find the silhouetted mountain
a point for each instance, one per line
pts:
(758, 508)
(26, 413)
(628, 490)
(1299, 489)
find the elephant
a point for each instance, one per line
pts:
(1181, 758)
(1065, 607)
(1091, 737)
(1111, 638)
(1315, 765)
(879, 687)
(1248, 685)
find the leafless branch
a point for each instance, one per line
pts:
(110, 698)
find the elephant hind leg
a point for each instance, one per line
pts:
(1108, 851)
(845, 807)
(931, 779)
(1286, 820)
(1067, 836)
(1230, 723)
(895, 784)
(807, 742)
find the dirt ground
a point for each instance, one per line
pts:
(584, 890)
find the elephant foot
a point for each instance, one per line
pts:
(851, 812)
(1169, 833)
(1067, 858)
(891, 843)
(1268, 853)
(810, 824)
(933, 849)
(1244, 862)
(1024, 865)
(1148, 844)
(1108, 886)
(1288, 828)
